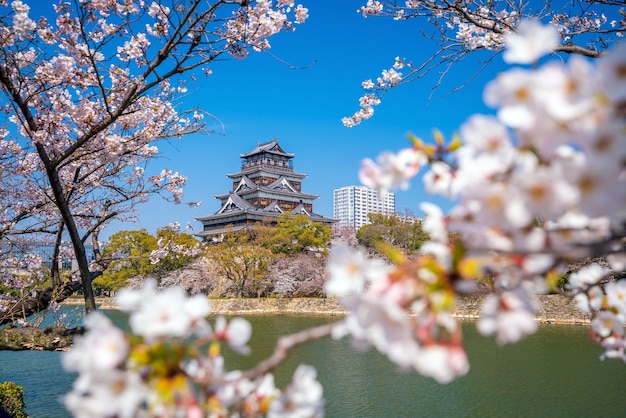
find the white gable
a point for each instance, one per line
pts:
(230, 206)
(282, 184)
(273, 207)
(244, 184)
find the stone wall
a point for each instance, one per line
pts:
(552, 309)
(292, 306)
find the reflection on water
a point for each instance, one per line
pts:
(555, 373)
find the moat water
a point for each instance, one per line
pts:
(554, 373)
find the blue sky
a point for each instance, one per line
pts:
(260, 98)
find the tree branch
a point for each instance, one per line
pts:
(27, 307)
(577, 49)
(285, 344)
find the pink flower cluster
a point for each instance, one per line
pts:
(594, 293)
(584, 27)
(402, 312)
(535, 187)
(162, 366)
(169, 248)
(254, 24)
(389, 79)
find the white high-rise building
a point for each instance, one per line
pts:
(352, 204)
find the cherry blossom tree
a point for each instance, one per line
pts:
(535, 187)
(89, 89)
(201, 276)
(175, 249)
(460, 28)
(303, 274)
(343, 235)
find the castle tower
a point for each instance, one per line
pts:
(264, 188)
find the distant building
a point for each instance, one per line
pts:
(352, 204)
(67, 259)
(264, 188)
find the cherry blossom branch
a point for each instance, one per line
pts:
(465, 27)
(26, 307)
(284, 346)
(577, 49)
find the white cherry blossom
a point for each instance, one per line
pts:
(168, 313)
(376, 322)
(434, 222)
(589, 300)
(529, 42)
(102, 349)
(616, 296)
(303, 398)
(440, 179)
(510, 316)
(587, 276)
(236, 333)
(608, 324)
(442, 363)
(611, 74)
(350, 270)
(115, 393)
(482, 135)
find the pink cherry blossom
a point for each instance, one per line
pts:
(169, 313)
(374, 321)
(616, 296)
(102, 349)
(440, 179)
(391, 171)
(350, 270)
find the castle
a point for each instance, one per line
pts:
(264, 188)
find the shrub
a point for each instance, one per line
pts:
(12, 400)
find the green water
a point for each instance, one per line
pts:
(554, 373)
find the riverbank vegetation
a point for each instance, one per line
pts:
(12, 400)
(286, 259)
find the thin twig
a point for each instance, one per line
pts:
(284, 345)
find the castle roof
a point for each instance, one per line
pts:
(235, 207)
(267, 169)
(281, 187)
(271, 147)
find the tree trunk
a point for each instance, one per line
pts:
(68, 219)
(96, 246)
(83, 264)
(55, 270)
